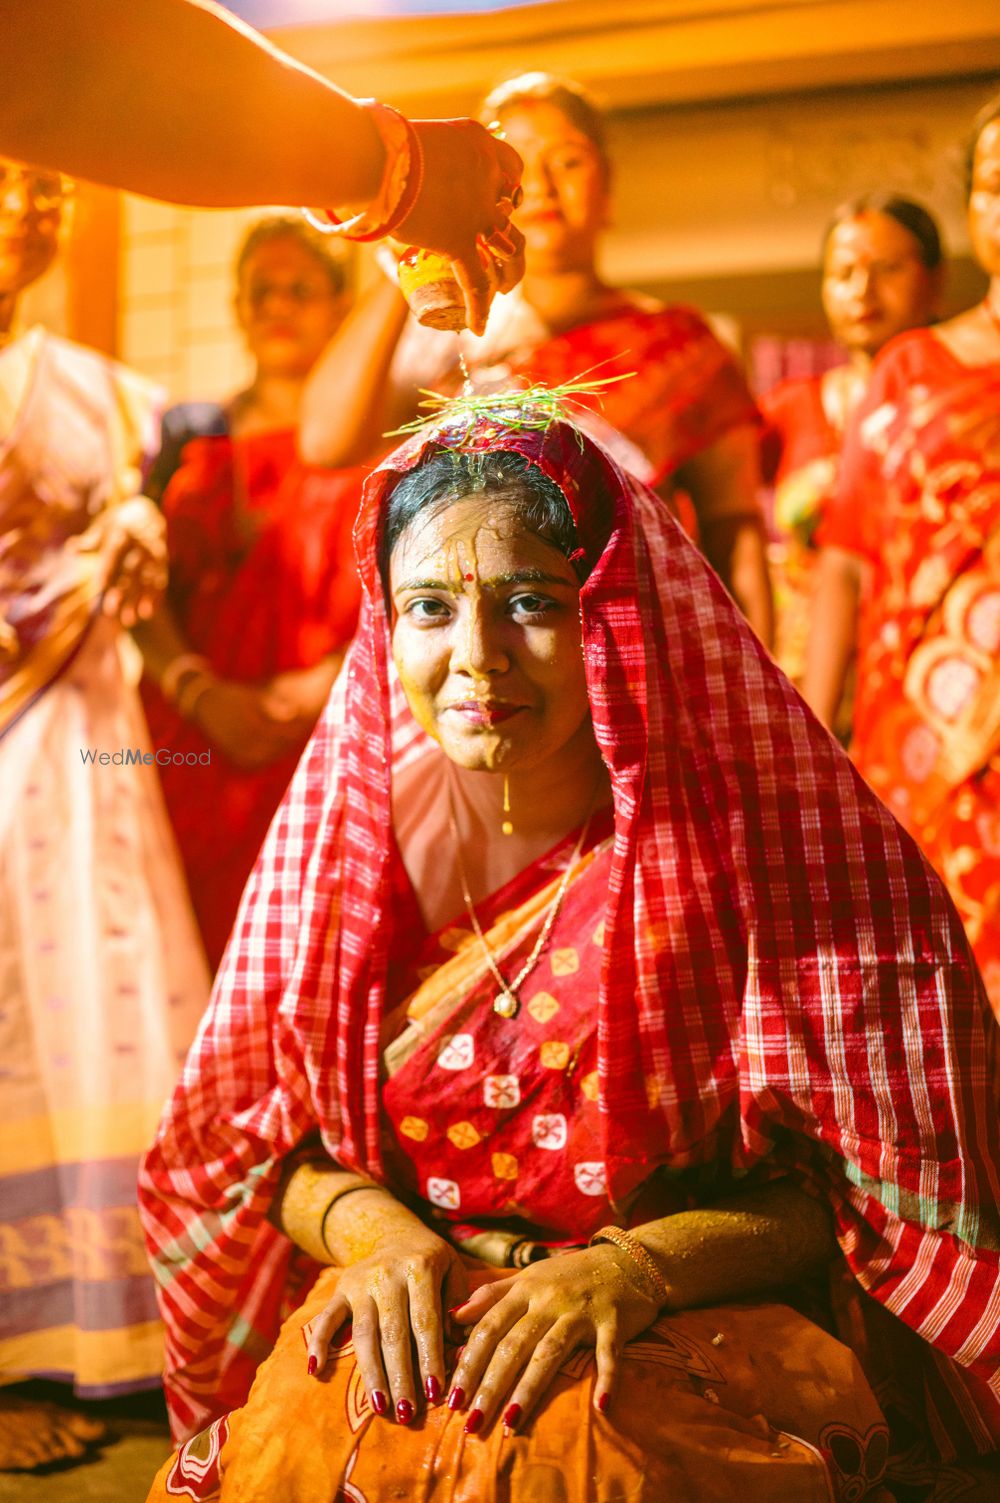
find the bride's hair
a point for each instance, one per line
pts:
(448, 475)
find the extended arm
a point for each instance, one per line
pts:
(178, 100)
(832, 632)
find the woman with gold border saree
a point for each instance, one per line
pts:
(102, 978)
(704, 1004)
(909, 582)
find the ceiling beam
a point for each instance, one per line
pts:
(647, 53)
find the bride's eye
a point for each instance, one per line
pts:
(527, 607)
(427, 608)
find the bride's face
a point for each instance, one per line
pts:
(486, 637)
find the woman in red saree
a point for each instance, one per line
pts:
(882, 271)
(263, 595)
(573, 925)
(911, 582)
(687, 420)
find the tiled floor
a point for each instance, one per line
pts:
(119, 1473)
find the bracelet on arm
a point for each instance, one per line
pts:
(178, 668)
(634, 1249)
(402, 179)
(191, 690)
(311, 1192)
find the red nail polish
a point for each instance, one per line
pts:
(475, 1422)
(460, 1306)
(512, 1415)
(432, 1388)
(311, 1367)
(379, 1401)
(602, 1403)
(404, 1411)
(456, 1398)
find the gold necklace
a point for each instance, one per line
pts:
(507, 1003)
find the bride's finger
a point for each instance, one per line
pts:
(393, 1308)
(481, 1300)
(427, 1325)
(479, 1348)
(609, 1352)
(545, 1361)
(322, 1331)
(368, 1354)
(509, 1360)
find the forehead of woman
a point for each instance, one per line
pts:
(574, 106)
(283, 252)
(466, 538)
(283, 243)
(884, 226)
(544, 121)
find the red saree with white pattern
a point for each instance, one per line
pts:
(754, 974)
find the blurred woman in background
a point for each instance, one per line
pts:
(102, 979)
(687, 417)
(910, 581)
(263, 594)
(882, 274)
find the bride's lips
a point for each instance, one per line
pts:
(476, 712)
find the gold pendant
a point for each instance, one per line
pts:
(506, 1005)
(506, 827)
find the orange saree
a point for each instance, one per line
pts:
(920, 502)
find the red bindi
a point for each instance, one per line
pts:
(470, 576)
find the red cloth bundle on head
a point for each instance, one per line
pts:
(784, 979)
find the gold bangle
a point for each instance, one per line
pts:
(177, 669)
(189, 695)
(634, 1249)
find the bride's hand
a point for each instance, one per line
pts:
(527, 1325)
(394, 1299)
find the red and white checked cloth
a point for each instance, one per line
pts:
(779, 958)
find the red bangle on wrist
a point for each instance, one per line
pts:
(401, 182)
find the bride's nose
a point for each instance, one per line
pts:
(479, 650)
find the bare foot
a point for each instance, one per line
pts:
(34, 1434)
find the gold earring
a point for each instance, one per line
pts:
(506, 826)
